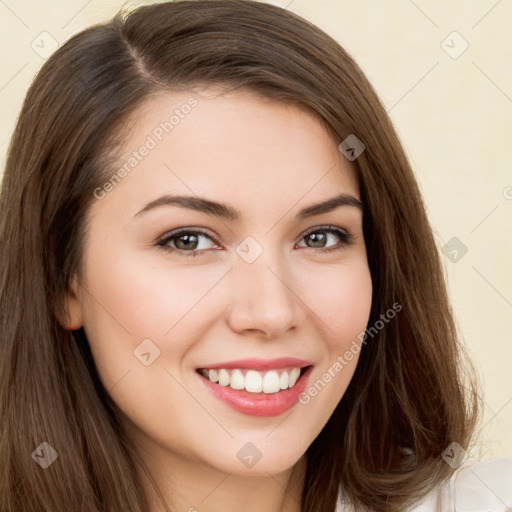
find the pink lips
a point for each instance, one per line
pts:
(260, 404)
(261, 364)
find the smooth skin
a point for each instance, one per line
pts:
(268, 161)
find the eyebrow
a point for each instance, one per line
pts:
(226, 212)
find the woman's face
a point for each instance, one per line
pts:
(262, 283)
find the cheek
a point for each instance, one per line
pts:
(145, 295)
(341, 298)
(129, 300)
(135, 313)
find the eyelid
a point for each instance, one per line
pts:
(347, 238)
(188, 229)
(325, 227)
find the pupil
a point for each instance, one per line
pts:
(189, 239)
(318, 239)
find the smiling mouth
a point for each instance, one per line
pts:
(255, 381)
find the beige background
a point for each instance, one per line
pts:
(452, 109)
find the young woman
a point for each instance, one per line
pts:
(219, 287)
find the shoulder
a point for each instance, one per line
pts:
(484, 486)
(487, 485)
(474, 487)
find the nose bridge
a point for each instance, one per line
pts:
(264, 299)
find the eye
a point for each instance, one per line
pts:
(320, 236)
(187, 242)
(190, 242)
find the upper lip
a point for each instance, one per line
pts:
(260, 364)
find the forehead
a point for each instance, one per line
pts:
(235, 147)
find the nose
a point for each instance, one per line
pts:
(263, 298)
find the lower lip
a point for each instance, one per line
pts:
(259, 404)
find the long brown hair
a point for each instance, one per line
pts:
(409, 389)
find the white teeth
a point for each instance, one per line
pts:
(237, 380)
(292, 378)
(254, 381)
(271, 382)
(283, 381)
(224, 378)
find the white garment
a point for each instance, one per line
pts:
(474, 487)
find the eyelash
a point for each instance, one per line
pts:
(345, 236)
